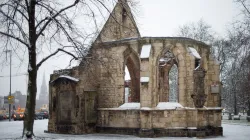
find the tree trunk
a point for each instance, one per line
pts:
(31, 100)
(248, 109)
(32, 70)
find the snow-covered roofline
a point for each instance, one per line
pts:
(144, 79)
(194, 52)
(66, 77)
(145, 52)
(124, 40)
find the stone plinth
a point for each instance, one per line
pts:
(153, 122)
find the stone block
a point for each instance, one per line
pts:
(146, 132)
(215, 97)
(215, 78)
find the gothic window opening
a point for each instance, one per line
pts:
(132, 79)
(197, 63)
(173, 84)
(196, 55)
(127, 85)
(168, 78)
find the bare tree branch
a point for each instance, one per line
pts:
(18, 25)
(52, 54)
(54, 16)
(16, 8)
(16, 38)
(244, 5)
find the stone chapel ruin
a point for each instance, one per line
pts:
(174, 87)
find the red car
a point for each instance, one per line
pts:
(18, 116)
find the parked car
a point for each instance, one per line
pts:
(6, 115)
(18, 116)
(38, 116)
(44, 114)
(1, 117)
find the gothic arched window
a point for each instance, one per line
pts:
(173, 84)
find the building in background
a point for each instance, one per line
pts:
(43, 96)
(1, 102)
(20, 100)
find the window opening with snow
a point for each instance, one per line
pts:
(145, 52)
(132, 78)
(173, 84)
(168, 78)
(196, 55)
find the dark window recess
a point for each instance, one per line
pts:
(77, 105)
(124, 14)
(197, 63)
(54, 103)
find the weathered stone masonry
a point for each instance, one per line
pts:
(91, 97)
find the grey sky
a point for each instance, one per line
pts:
(155, 18)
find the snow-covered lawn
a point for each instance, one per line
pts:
(11, 130)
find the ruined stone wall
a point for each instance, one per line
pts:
(119, 25)
(208, 117)
(119, 118)
(190, 62)
(111, 90)
(179, 51)
(152, 119)
(213, 74)
(56, 104)
(185, 118)
(112, 70)
(169, 119)
(105, 73)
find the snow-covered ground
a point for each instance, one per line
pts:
(12, 130)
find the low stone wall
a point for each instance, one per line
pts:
(172, 118)
(64, 129)
(73, 128)
(189, 132)
(162, 132)
(186, 122)
(118, 118)
(209, 117)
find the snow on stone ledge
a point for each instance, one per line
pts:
(145, 52)
(168, 105)
(66, 77)
(130, 106)
(146, 108)
(144, 79)
(193, 52)
(69, 77)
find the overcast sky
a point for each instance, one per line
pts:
(155, 18)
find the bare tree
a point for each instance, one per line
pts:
(200, 31)
(238, 60)
(225, 50)
(38, 25)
